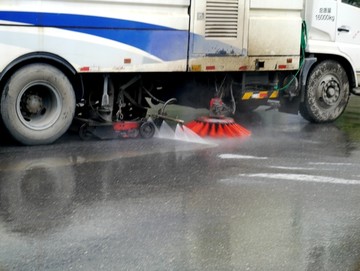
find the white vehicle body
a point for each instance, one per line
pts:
(334, 29)
(152, 35)
(259, 40)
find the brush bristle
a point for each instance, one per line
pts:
(217, 128)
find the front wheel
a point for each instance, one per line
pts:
(37, 104)
(327, 93)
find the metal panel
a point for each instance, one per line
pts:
(278, 36)
(217, 27)
(277, 4)
(222, 19)
(274, 31)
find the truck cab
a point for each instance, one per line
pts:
(331, 69)
(334, 29)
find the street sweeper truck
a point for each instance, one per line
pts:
(102, 61)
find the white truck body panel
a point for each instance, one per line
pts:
(99, 35)
(278, 4)
(153, 35)
(267, 29)
(227, 39)
(179, 35)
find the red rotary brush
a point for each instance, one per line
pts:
(217, 127)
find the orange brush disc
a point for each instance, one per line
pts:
(217, 127)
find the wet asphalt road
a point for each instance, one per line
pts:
(287, 198)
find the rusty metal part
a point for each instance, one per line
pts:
(164, 117)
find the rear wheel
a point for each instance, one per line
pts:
(327, 93)
(147, 130)
(37, 104)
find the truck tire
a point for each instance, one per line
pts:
(37, 104)
(327, 93)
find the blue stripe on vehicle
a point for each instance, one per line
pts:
(163, 42)
(74, 20)
(166, 45)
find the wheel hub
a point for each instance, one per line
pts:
(38, 105)
(330, 92)
(34, 104)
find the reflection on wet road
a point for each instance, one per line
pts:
(286, 198)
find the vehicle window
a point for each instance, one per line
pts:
(355, 3)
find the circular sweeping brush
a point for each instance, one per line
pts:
(217, 127)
